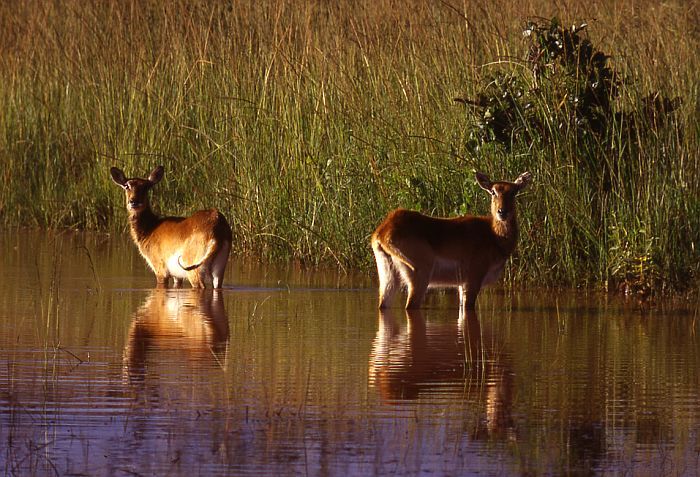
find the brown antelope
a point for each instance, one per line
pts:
(466, 252)
(194, 247)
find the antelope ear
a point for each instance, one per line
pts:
(523, 180)
(118, 176)
(156, 175)
(484, 181)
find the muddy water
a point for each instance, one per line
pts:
(291, 372)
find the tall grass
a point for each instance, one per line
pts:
(305, 122)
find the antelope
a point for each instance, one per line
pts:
(195, 247)
(467, 252)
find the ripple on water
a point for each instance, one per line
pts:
(287, 372)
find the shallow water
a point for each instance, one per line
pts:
(288, 371)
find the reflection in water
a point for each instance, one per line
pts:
(184, 328)
(446, 361)
(540, 384)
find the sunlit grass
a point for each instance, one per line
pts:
(305, 123)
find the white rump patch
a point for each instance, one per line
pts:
(174, 267)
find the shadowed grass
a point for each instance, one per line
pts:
(306, 122)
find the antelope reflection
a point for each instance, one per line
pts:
(443, 360)
(177, 328)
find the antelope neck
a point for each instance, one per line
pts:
(143, 223)
(506, 233)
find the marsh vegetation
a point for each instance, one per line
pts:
(305, 122)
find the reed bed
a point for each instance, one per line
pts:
(306, 121)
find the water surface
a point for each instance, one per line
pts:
(289, 371)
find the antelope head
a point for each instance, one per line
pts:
(136, 190)
(503, 194)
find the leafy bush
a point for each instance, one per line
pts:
(563, 101)
(566, 88)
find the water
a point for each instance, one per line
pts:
(289, 371)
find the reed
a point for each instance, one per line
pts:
(305, 122)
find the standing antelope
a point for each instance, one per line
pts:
(194, 247)
(466, 252)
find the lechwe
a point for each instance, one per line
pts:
(467, 252)
(194, 247)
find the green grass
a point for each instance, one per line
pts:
(306, 122)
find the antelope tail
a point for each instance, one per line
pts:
(388, 248)
(207, 254)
